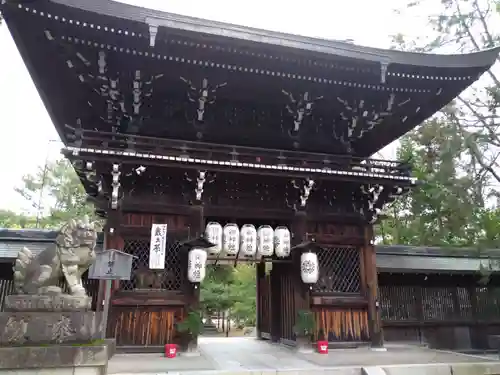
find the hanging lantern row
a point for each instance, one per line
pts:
(262, 242)
(248, 241)
(197, 262)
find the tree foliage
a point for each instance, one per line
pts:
(55, 194)
(456, 153)
(467, 26)
(449, 208)
(13, 220)
(230, 290)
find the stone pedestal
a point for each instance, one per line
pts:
(21, 328)
(35, 320)
(47, 303)
(54, 360)
(51, 334)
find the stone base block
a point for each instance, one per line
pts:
(190, 353)
(36, 328)
(47, 302)
(111, 344)
(54, 360)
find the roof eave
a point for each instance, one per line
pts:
(35, 75)
(157, 19)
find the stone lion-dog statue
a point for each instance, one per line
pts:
(71, 255)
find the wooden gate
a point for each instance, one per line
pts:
(286, 295)
(263, 303)
(276, 303)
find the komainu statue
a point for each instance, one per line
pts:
(71, 255)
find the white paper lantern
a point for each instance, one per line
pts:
(265, 241)
(231, 239)
(197, 261)
(282, 242)
(213, 233)
(248, 240)
(309, 268)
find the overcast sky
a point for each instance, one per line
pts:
(28, 137)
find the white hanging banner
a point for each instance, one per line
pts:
(157, 247)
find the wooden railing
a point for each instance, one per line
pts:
(228, 153)
(6, 288)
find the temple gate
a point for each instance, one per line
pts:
(175, 120)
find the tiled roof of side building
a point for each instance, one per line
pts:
(41, 235)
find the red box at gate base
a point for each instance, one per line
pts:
(322, 347)
(170, 350)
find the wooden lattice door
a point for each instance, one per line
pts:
(146, 307)
(172, 278)
(339, 270)
(345, 317)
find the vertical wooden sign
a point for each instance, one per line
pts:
(157, 246)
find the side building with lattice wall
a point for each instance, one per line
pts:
(427, 295)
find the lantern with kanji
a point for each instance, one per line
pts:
(248, 240)
(213, 233)
(265, 241)
(309, 268)
(197, 261)
(231, 239)
(282, 242)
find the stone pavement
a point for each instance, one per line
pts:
(157, 364)
(241, 355)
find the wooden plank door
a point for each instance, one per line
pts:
(287, 303)
(263, 303)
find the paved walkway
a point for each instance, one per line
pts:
(157, 364)
(248, 356)
(396, 354)
(242, 353)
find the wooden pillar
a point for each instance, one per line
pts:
(275, 303)
(302, 293)
(115, 241)
(112, 236)
(111, 241)
(196, 225)
(102, 283)
(260, 270)
(370, 269)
